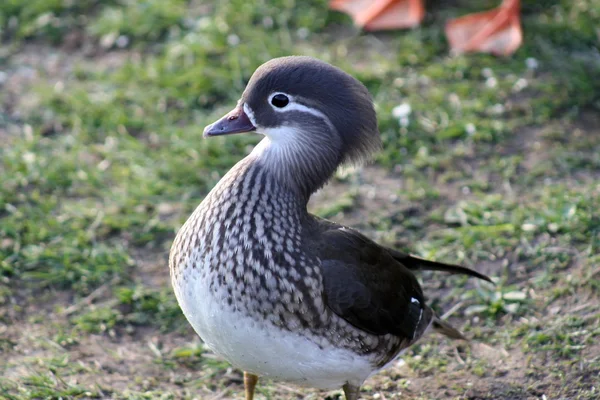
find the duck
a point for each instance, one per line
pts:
(277, 291)
(497, 31)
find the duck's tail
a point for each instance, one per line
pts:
(420, 264)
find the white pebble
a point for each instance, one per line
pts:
(487, 72)
(108, 40)
(267, 22)
(401, 111)
(520, 84)
(527, 227)
(122, 41)
(498, 109)
(303, 33)
(532, 63)
(470, 128)
(233, 40)
(29, 157)
(59, 87)
(491, 82)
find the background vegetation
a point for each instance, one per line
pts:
(495, 164)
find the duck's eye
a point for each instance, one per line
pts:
(280, 100)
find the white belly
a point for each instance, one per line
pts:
(260, 347)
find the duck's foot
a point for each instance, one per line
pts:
(382, 14)
(497, 31)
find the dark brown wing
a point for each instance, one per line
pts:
(367, 287)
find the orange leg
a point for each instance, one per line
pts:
(382, 14)
(249, 384)
(497, 31)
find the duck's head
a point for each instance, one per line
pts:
(314, 116)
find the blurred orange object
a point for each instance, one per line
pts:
(382, 14)
(497, 31)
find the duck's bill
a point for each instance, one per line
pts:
(236, 121)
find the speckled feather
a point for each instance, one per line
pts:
(259, 248)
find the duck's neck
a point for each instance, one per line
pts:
(302, 167)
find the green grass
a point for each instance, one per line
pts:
(102, 159)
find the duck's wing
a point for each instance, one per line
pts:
(373, 287)
(367, 287)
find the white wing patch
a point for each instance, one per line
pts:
(415, 301)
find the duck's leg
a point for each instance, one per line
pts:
(382, 14)
(351, 391)
(497, 31)
(249, 384)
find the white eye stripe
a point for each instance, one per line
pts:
(295, 106)
(302, 108)
(309, 110)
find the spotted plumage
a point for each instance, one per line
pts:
(277, 291)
